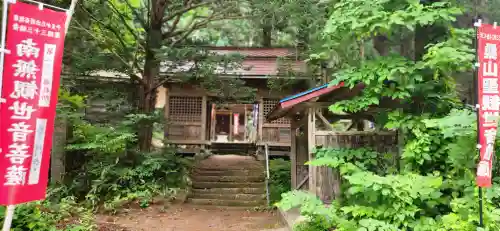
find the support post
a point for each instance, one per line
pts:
(166, 112)
(204, 118)
(311, 127)
(266, 146)
(58, 154)
(261, 118)
(293, 154)
(3, 51)
(324, 120)
(9, 215)
(476, 103)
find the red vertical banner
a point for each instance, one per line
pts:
(35, 41)
(488, 42)
(236, 121)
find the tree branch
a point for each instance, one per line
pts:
(188, 6)
(124, 21)
(137, 15)
(195, 26)
(124, 46)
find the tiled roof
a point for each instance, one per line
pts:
(266, 67)
(256, 52)
(256, 62)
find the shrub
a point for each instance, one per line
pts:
(280, 179)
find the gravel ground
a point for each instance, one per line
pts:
(190, 218)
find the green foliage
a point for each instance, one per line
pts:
(65, 215)
(105, 172)
(113, 175)
(365, 159)
(439, 196)
(385, 16)
(69, 104)
(280, 179)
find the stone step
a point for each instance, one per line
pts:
(239, 197)
(231, 190)
(242, 179)
(228, 172)
(209, 185)
(215, 202)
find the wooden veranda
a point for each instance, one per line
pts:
(312, 127)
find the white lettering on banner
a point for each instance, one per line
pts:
(491, 102)
(490, 118)
(36, 161)
(49, 52)
(489, 36)
(26, 69)
(27, 48)
(490, 85)
(490, 51)
(25, 90)
(16, 175)
(483, 169)
(488, 152)
(490, 135)
(18, 152)
(490, 68)
(20, 131)
(21, 111)
(15, 27)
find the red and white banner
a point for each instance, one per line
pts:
(236, 121)
(35, 39)
(488, 38)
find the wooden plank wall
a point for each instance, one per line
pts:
(278, 132)
(185, 113)
(329, 180)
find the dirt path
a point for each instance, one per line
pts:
(190, 218)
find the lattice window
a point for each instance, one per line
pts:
(185, 109)
(269, 105)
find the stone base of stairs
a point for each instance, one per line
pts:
(229, 180)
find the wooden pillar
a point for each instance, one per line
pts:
(293, 154)
(213, 123)
(166, 113)
(204, 118)
(231, 126)
(261, 118)
(311, 144)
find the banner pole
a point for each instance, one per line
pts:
(9, 215)
(477, 24)
(70, 12)
(3, 51)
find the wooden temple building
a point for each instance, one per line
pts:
(197, 119)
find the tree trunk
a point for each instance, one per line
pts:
(267, 36)
(147, 91)
(380, 44)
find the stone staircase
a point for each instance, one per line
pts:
(229, 180)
